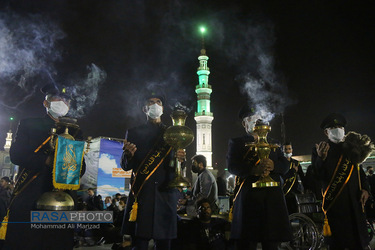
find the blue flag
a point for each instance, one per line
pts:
(67, 163)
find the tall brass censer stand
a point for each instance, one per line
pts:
(178, 137)
(263, 150)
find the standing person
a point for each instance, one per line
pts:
(108, 203)
(205, 185)
(259, 214)
(151, 206)
(344, 184)
(116, 200)
(35, 161)
(294, 179)
(94, 202)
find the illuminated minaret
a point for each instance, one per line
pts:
(204, 116)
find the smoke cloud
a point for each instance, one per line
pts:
(250, 50)
(263, 87)
(28, 48)
(84, 92)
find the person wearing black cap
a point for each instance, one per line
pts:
(35, 158)
(259, 214)
(345, 188)
(151, 209)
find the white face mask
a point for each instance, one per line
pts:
(336, 135)
(154, 111)
(250, 122)
(58, 109)
(288, 155)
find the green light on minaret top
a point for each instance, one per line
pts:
(202, 29)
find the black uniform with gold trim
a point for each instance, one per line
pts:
(346, 217)
(157, 204)
(34, 179)
(293, 184)
(259, 214)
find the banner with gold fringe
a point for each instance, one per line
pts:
(67, 163)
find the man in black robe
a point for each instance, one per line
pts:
(293, 179)
(336, 165)
(259, 214)
(153, 202)
(35, 161)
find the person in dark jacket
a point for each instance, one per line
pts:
(336, 163)
(35, 161)
(94, 202)
(203, 232)
(152, 205)
(205, 185)
(259, 214)
(293, 179)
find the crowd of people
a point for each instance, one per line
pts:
(188, 218)
(107, 233)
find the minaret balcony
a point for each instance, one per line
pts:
(204, 113)
(207, 86)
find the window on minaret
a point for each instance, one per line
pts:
(7, 160)
(204, 139)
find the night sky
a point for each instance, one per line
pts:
(304, 59)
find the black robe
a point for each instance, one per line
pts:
(296, 188)
(30, 134)
(345, 217)
(157, 204)
(259, 214)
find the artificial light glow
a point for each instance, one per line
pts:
(203, 29)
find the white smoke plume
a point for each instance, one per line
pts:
(262, 84)
(84, 92)
(27, 49)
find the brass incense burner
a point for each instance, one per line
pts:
(263, 150)
(58, 200)
(178, 136)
